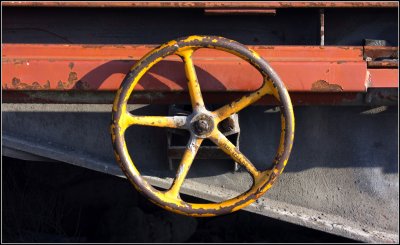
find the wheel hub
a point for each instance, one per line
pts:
(202, 125)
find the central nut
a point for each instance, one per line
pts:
(202, 125)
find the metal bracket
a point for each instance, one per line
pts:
(176, 139)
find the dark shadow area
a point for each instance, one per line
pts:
(57, 202)
(349, 26)
(135, 25)
(172, 73)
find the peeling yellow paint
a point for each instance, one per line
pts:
(193, 38)
(193, 84)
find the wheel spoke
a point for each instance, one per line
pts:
(224, 144)
(187, 160)
(193, 84)
(236, 106)
(157, 121)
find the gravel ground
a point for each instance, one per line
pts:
(58, 202)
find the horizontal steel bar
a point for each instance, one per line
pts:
(103, 67)
(375, 52)
(382, 96)
(217, 4)
(384, 78)
(131, 52)
(204, 152)
(169, 76)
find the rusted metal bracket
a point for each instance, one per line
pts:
(381, 56)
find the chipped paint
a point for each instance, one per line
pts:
(17, 84)
(324, 86)
(122, 119)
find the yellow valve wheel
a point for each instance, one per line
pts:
(201, 124)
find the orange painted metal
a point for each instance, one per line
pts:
(103, 67)
(383, 64)
(216, 4)
(384, 78)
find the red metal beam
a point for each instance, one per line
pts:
(102, 68)
(220, 4)
(240, 11)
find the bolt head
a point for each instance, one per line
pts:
(201, 126)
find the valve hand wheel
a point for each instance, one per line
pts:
(201, 124)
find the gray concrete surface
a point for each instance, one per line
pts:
(342, 176)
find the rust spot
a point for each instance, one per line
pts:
(81, 85)
(35, 85)
(17, 84)
(92, 46)
(19, 61)
(324, 86)
(47, 85)
(119, 46)
(72, 78)
(387, 64)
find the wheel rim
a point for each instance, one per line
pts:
(122, 119)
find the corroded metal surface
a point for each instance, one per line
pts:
(383, 64)
(122, 119)
(383, 78)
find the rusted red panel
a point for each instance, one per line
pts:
(383, 64)
(217, 4)
(99, 67)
